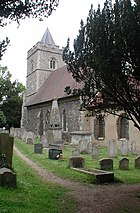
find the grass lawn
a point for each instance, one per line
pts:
(33, 195)
(60, 167)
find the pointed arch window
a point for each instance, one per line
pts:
(52, 64)
(123, 127)
(99, 127)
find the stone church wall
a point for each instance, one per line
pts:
(71, 107)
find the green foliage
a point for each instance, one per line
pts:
(60, 167)
(2, 119)
(10, 98)
(34, 195)
(15, 10)
(106, 57)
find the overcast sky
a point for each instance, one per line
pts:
(63, 23)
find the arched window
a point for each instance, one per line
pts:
(123, 127)
(99, 127)
(52, 64)
(32, 65)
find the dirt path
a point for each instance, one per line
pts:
(110, 198)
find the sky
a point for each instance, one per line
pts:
(63, 23)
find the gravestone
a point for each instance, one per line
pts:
(89, 147)
(112, 149)
(137, 162)
(83, 146)
(7, 176)
(106, 164)
(6, 150)
(95, 152)
(38, 148)
(76, 152)
(124, 164)
(29, 140)
(133, 148)
(77, 162)
(55, 154)
(124, 147)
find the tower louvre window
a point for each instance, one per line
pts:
(52, 64)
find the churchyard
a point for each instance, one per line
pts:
(123, 165)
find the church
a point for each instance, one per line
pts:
(47, 78)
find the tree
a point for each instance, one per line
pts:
(11, 98)
(106, 57)
(2, 119)
(14, 10)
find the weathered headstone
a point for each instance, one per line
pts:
(112, 149)
(83, 146)
(106, 164)
(137, 162)
(77, 162)
(43, 141)
(95, 151)
(29, 140)
(89, 147)
(124, 164)
(133, 148)
(76, 152)
(7, 177)
(124, 147)
(6, 150)
(38, 148)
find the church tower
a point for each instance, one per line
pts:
(42, 59)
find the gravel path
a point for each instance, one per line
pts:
(110, 198)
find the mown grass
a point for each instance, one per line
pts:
(32, 195)
(60, 167)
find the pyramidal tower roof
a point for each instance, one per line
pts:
(47, 38)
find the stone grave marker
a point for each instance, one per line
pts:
(124, 147)
(38, 148)
(95, 152)
(29, 140)
(76, 152)
(77, 162)
(6, 150)
(124, 164)
(106, 164)
(137, 162)
(43, 141)
(7, 176)
(112, 149)
(89, 147)
(83, 146)
(133, 148)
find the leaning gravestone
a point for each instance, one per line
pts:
(124, 164)
(7, 176)
(89, 147)
(112, 149)
(137, 162)
(106, 164)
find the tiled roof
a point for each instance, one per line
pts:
(54, 86)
